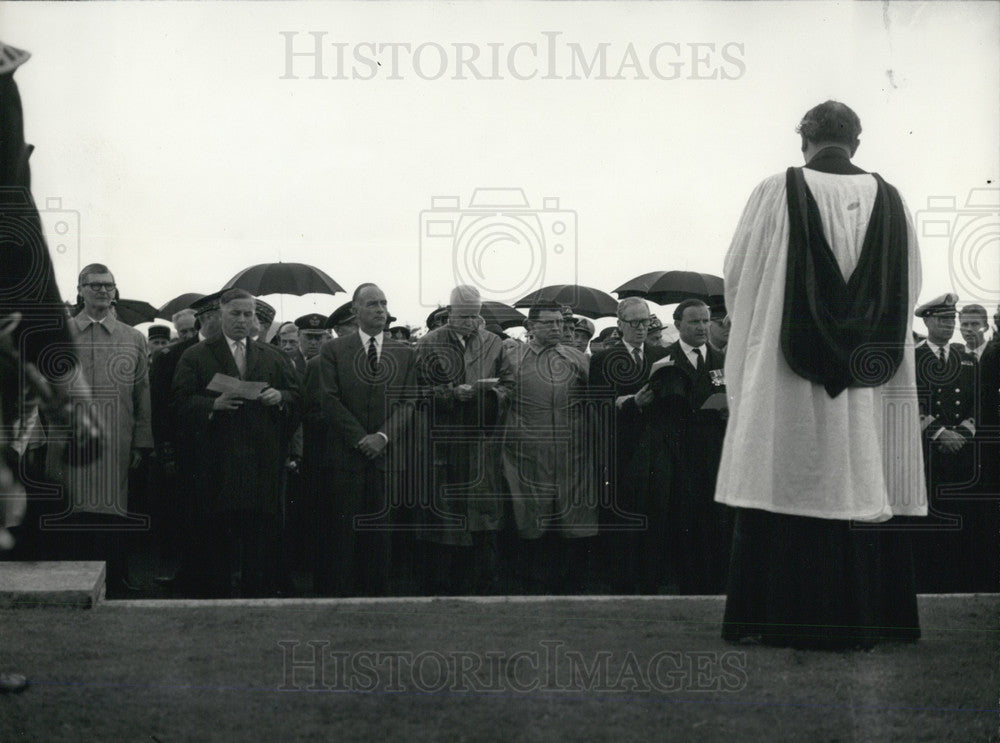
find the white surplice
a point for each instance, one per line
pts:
(791, 448)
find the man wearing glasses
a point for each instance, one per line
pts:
(548, 468)
(633, 517)
(718, 331)
(114, 363)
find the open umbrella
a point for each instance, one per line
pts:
(134, 311)
(670, 287)
(283, 278)
(498, 313)
(175, 305)
(583, 300)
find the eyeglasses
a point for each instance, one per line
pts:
(549, 323)
(636, 324)
(97, 286)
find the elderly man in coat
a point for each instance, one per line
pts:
(458, 364)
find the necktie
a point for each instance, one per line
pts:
(941, 359)
(637, 355)
(240, 357)
(700, 362)
(372, 356)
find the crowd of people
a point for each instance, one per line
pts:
(799, 446)
(339, 460)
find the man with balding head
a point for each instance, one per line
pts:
(457, 365)
(367, 385)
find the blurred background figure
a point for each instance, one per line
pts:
(264, 314)
(343, 321)
(583, 331)
(287, 337)
(158, 337)
(185, 322)
(437, 318)
(718, 331)
(973, 325)
(313, 333)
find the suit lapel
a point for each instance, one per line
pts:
(223, 356)
(681, 359)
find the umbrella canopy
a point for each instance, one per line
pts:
(498, 313)
(583, 300)
(175, 305)
(670, 287)
(283, 278)
(134, 311)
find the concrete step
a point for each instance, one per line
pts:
(62, 584)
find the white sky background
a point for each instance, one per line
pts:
(168, 129)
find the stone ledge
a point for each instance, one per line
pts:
(57, 584)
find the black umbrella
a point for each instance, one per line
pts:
(498, 313)
(134, 311)
(670, 287)
(284, 278)
(583, 300)
(175, 305)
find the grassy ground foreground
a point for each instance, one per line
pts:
(450, 670)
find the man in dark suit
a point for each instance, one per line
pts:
(701, 528)
(175, 478)
(946, 549)
(368, 387)
(635, 492)
(241, 442)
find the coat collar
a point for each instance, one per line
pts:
(83, 321)
(834, 160)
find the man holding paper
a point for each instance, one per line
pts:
(238, 401)
(458, 365)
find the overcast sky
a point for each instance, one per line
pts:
(183, 142)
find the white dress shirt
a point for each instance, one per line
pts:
(692, 353)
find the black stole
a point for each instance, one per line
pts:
(840, 333)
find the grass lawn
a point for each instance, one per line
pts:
(450, 670)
